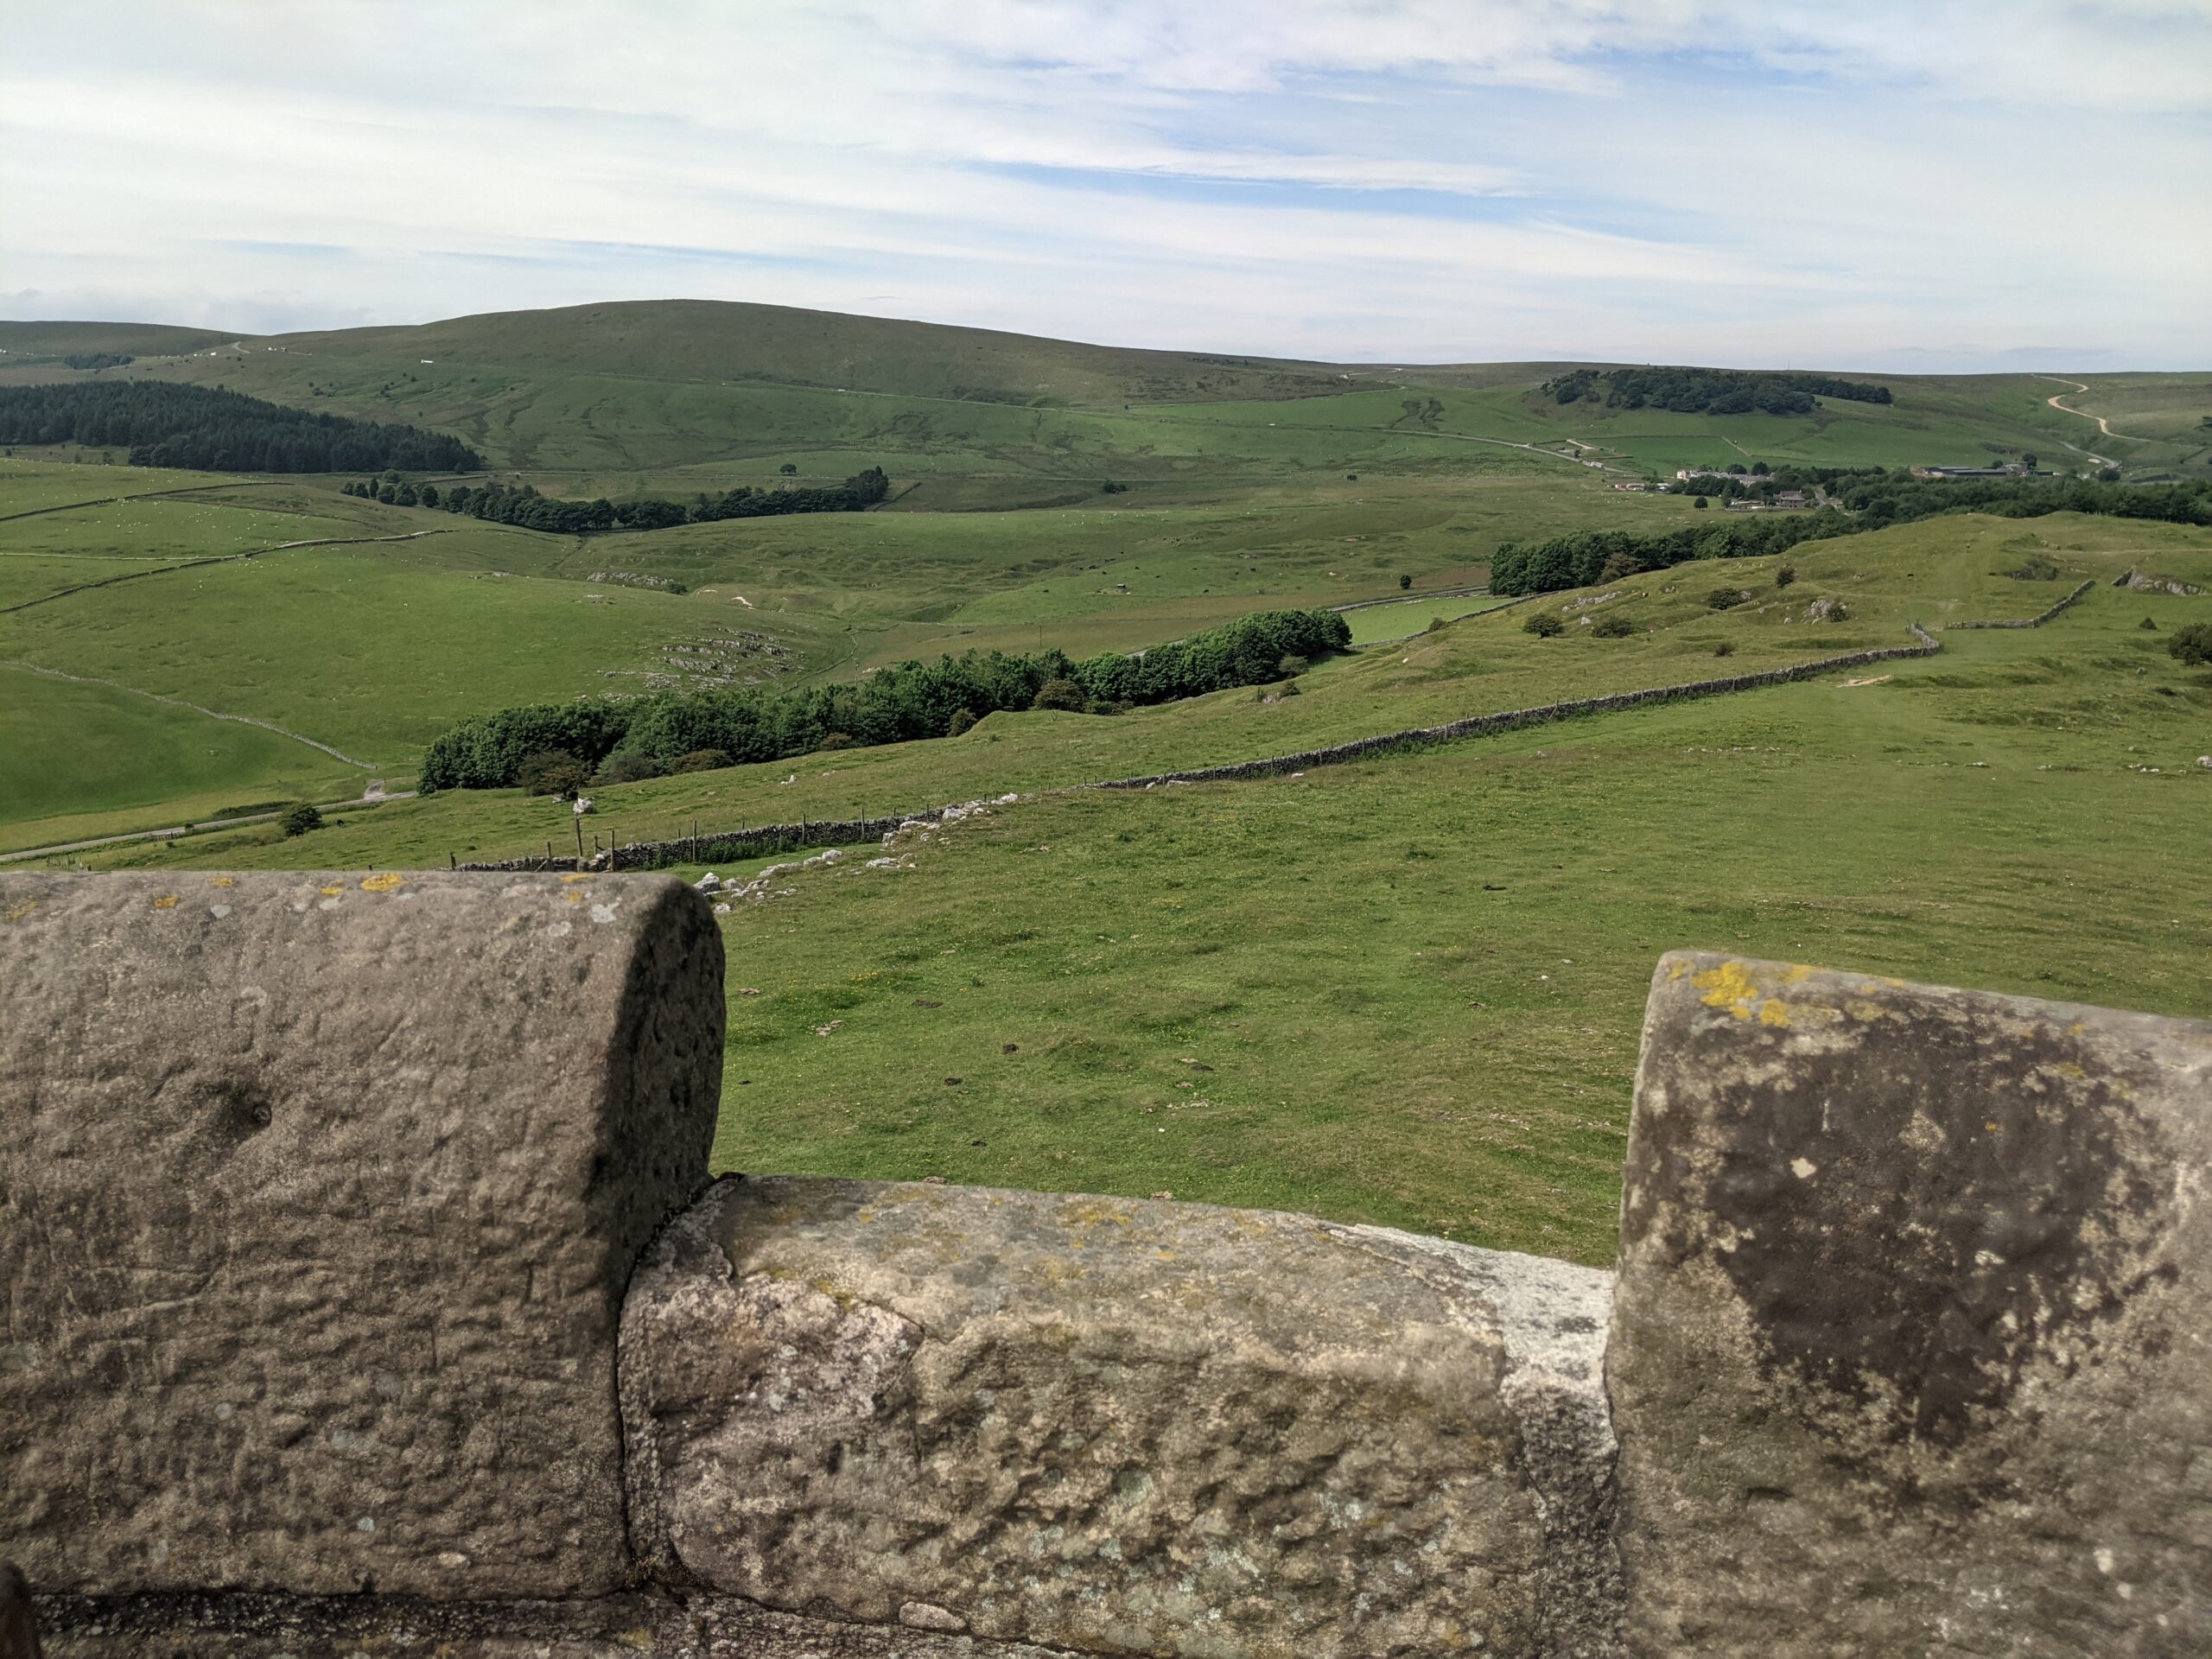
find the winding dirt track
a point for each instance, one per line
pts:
(2103, 425)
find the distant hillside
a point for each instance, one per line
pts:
(667, 397)
(44, 342)
(779, 346)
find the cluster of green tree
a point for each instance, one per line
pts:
(645, 736)
(98, 360)
(1877, 498)
(1709, 391)
(394, 491)
(522, 505)
(207, 429)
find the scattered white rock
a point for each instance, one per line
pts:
(709, 883)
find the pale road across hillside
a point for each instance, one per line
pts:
(2103, 425)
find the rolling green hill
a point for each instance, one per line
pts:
(699, 394)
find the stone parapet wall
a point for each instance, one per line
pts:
(319, 1196)
(325, 1200)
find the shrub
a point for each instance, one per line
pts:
(552, 771)
(1062, 694)
(1112, 488)
(1700, 504)
(1613, 625)
(299, 819)
(1545, 624)
(2191, 646)
(1404, 582)
(1726, 598)
(1725, 648)
(701, 760)
(832, 742)
(627, 767)
(1785, 575)
(961, 720)
(1292, 665)
(1436, 625)
(2147, 626)
(789, 469)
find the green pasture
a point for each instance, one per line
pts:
(65, 747)
(1934, 572)
(1409, 991)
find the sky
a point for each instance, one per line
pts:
(1851, 184)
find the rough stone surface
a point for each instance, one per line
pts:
(1121, 1427)
(677, 1625)
(1912, 1346)
(318, 1196)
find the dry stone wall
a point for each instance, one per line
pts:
(2035, 621)
(325, 1200)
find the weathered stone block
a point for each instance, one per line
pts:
(1140, 1427)
(318, 1197)
(1912, 1346)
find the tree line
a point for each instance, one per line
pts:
(1876, 498)
(645, 736)
(1709, 391)
(98, 360)
(521, 504)
(204, 429)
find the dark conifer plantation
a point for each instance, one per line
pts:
(204, 429)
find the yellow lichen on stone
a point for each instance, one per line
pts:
(577, 875)
(1774, 1012)
(167, 902)
(17, 912)
(332, 892)
(385, 883)
(222, 880)
(1728, 987)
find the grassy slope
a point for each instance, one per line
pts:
(1416, 983)
(708, 393)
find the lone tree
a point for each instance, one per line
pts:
(1404, 582)
(2191, 646)
(1785, 575)
(300, 818)
(1544, 625)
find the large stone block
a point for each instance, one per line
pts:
(318, 1197)
(1912, 1346)
(1140, 1427)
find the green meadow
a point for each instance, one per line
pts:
(1406, 990)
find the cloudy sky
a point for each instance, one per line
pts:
(1939, 184)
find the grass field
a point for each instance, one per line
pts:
(1409, 990)
(1406, 991)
